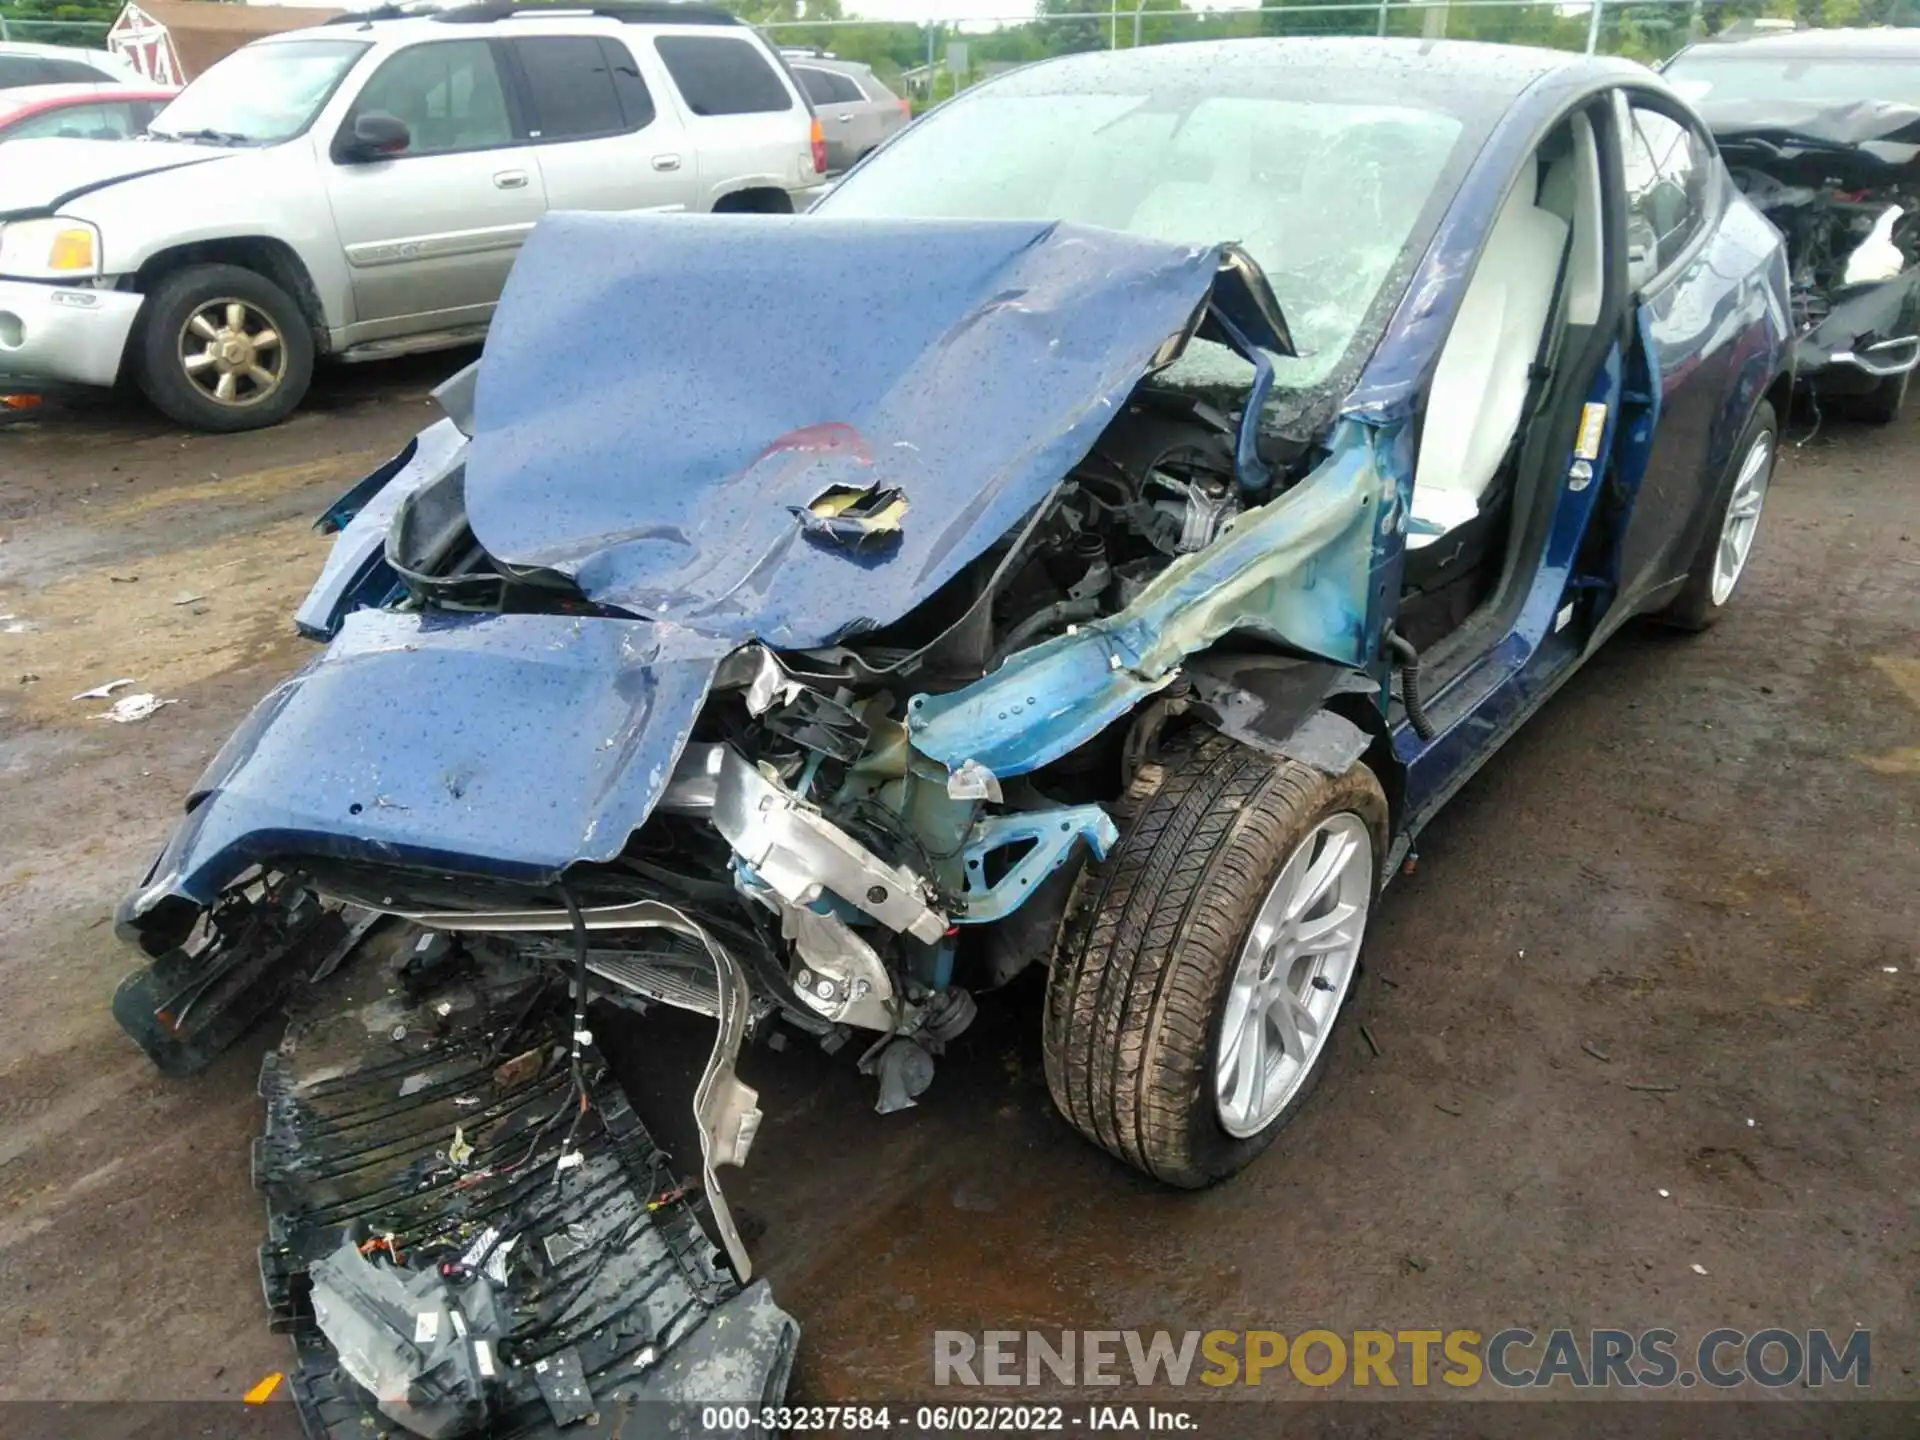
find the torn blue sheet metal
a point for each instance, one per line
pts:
(356, 575)
(1051, 837)
(1312, 570)
(745, 365)
(502, 745)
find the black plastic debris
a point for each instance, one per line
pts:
(414, 1200)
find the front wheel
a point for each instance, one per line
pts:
(223, 348)
(1203, 964)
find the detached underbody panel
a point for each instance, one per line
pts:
(434, 1268)
(792, 696)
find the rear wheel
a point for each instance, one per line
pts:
(224, 348)
(1722, 557)
(1205, 962)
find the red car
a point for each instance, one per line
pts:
(80, 112)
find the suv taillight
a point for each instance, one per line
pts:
(818, 137)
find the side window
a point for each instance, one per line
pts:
(77, 122)
(447, 92)
(718, 75)
(72, 72)
(636, 101)
(571, 85)
(1669, 183)
(18, 70)
(842, 91)
(814, 82)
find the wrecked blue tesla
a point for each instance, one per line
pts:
(1097, 538)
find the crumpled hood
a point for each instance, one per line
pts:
(502, 745)
(37, 176)
(1873, 139)
(658, 396)
(661, 394)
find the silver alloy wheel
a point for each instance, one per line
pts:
(1743, 516)
(232, 352)
(1295, 968)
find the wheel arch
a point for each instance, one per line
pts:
(754, 200)
(273, 259)
(1266, 700)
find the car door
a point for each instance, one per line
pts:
(748, 123)
(431, 231)
(598, 137)
(1688, 312)
(836, 100)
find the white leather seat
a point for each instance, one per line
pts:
(1480, 386)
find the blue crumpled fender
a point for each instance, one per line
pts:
(504, 745)
(1314, 570)
(356, 575)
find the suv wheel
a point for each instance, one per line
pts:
(224, 348)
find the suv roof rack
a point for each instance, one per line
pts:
(628, 12)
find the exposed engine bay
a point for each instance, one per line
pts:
(1842, 184)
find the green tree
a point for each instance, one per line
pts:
(1082, 31)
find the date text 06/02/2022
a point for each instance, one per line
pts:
(945, 1419)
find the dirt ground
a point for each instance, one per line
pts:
(1696, 870)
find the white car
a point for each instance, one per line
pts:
(360, 189)
(22, 64)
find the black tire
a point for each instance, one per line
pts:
(161, 369)
(1881, 405)
(1138, 987)
(1694, 608)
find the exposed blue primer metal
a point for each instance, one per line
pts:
(1300, 570)
(1053, 833)
(744, 365)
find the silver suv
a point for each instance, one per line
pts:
(856, 109)
(360, 189)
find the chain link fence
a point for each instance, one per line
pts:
(932, 60)
(79, 34)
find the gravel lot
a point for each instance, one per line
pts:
(1699, 862)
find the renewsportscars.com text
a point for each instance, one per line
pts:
(1513, 1358)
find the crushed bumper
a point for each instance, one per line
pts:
(63, 334)
(397, 1127)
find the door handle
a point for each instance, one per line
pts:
(847, 119)
(510, 180)
(666, 162)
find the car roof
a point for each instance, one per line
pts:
(23, 98)
(1454, 76)
(59, 52)
(828, 62)
(505, 16)
(1879, 43)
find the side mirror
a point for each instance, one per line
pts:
(376, 137)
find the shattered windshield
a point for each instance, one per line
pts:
(1326, 196)
(1700, 76)
(260, 95)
